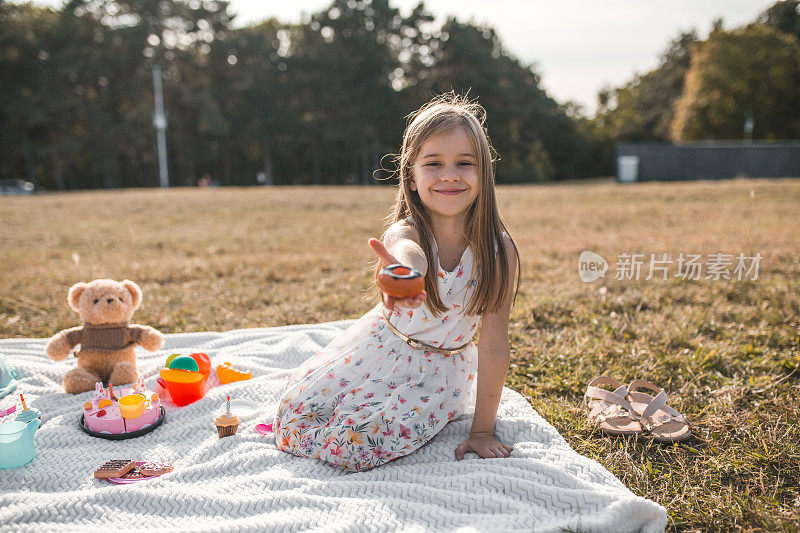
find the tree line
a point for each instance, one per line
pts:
(324, 100)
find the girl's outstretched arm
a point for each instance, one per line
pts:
(402, 241)
(404, 250)
(493, 359)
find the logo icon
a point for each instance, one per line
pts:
(591, 266)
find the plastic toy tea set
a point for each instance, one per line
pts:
(128, 412)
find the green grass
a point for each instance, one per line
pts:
(727, 352)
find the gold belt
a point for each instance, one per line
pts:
(419, 345)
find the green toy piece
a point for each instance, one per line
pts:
(184, 362)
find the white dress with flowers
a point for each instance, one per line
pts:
(368, 397)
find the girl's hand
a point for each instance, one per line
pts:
(483, 444)
(386, 260)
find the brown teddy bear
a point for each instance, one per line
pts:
(106, 338)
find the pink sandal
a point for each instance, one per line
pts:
(661, 421)
(610, 411)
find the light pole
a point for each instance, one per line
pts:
(160, 123)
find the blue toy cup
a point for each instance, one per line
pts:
(16, 443)
(8, 377)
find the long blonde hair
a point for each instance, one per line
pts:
(483, 229)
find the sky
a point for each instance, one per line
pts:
(577, 46)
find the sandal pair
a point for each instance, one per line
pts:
(626, 411)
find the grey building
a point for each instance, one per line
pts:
(706, 160)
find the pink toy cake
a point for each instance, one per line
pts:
(103, 414)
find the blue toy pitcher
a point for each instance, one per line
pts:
(16, 443)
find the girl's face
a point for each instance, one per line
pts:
(445, 174)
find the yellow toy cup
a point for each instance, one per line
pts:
(133, 405)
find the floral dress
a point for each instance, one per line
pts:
(368, 397)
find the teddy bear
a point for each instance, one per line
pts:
(106, 338)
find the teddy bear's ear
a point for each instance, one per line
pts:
(75, 294)
(136, 292)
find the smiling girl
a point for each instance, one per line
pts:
(394, 379)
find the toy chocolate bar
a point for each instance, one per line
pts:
(114, 468)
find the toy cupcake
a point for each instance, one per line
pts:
(28, 413)
(227, 423)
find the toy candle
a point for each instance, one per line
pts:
(228, 406)
(28, 413)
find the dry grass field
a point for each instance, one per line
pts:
(727, 351)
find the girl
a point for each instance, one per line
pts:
(370, 396)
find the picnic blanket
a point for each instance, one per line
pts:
(244, 483)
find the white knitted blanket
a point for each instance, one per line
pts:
(244, 483)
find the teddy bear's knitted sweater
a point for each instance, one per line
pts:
(105, 337)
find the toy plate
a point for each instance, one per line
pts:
(123, 436)
(240, 408)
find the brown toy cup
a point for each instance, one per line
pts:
(400, 281)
